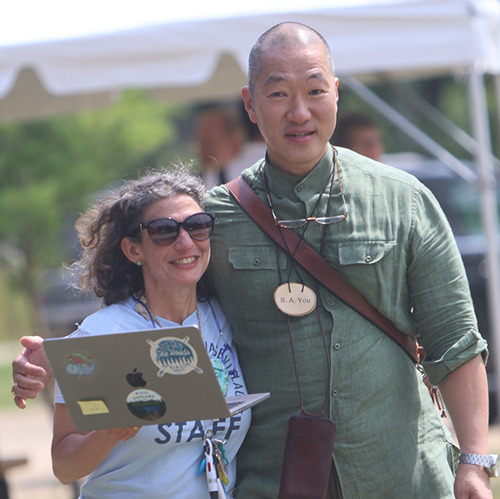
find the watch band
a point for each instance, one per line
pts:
(488, 461)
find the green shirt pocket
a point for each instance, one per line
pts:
(364, 252)
(255, 257)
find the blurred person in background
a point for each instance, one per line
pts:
(219, 138)
(360, 133)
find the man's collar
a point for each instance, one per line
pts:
(283, 184)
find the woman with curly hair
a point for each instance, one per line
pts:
(144, 251)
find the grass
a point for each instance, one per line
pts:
(15, 321)
(5, 386)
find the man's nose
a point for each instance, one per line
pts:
(299, 110)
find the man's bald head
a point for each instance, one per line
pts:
(286, 35)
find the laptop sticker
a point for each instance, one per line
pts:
(221, 373)
(146, 404)
(80, 364)
(90, 407)
(174, 356)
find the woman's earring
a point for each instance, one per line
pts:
(138, 263)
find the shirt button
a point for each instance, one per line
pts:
(300, 188)
(256, 261)
(330, 303)
(334, 393)
(368, 258)
(337, 346)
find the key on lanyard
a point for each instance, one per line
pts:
(220, 461)
(215, 487)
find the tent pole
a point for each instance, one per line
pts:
(489, 209)
(422, 106)
(496, 90)
(409, 128)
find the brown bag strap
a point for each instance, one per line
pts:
(317, 266)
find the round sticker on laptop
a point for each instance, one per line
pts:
(173, 356)
(146, 404)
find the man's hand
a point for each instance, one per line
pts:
(472, 482)
(31, 370)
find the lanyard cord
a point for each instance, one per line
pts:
(152, 318)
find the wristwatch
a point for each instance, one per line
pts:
(488, 462)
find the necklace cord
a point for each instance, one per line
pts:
(292, 265)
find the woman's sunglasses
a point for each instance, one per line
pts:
(164, 231)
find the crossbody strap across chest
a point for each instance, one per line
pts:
(317, 266)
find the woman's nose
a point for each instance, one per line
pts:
(183, 238)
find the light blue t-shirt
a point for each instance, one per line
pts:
(163, 460)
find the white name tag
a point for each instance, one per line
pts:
(295, 299)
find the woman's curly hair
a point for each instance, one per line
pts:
(102, 267)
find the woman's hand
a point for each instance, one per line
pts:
(121, 434)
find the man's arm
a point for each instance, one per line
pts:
(465, 393)
(31, 370)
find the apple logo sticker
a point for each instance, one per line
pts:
(135, 379)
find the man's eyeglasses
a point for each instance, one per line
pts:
(301, 222)
(297, 224)
(164, 231)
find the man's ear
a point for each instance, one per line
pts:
(248, 102)
(131, 250)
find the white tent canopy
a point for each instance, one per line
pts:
(184, 53)
(57, 56)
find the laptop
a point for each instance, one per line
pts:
(138, 378)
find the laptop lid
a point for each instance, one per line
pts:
(138, 378)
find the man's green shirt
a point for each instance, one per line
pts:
(397, 249)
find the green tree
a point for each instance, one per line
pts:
(50, 171)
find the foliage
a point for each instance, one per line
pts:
(50, 170)
(15, 311)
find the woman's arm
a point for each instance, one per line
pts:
(74, 454)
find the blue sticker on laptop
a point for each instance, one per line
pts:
(221, 373)
(80, 364)
(174, 356)
(146, 404)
